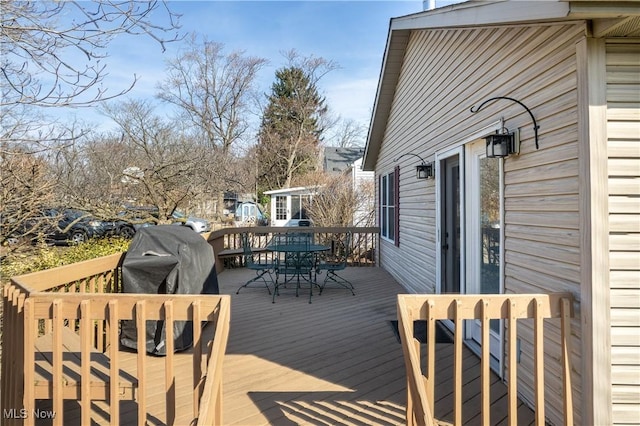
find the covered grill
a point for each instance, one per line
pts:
(166, 259)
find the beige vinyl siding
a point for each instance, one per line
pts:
(623, 135)
(445, 73)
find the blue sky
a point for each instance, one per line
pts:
(351, 33)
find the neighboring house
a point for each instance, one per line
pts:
(363, 184)
(287, 204)
(338, 160)
(564, 217)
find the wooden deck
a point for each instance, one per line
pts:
(335, 361)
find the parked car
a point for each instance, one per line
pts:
(148, 216)
(63, 226)
(118, 228)
(196, 223)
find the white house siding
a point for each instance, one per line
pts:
(444, 73)
(623, 135)
(364, 187)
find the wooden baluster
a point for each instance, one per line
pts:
(565, 309)
(29, 401)
(513, 364)
(538, 331)
(114, 368)
(85, 359)
(457, 360)
(197, 356)
(58, 358)
(141, 331)
(169, 378)
(486, 362)
(99, 325)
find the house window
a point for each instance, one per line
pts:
(281, 207)
(387, 206)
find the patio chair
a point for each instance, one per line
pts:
(336, 261)
(261, 268)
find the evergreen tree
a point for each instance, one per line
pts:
(291, 128)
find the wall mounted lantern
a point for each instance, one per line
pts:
(503, 143)
(425, 170)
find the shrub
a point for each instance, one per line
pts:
(46, 257)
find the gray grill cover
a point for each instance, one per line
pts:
(166, 259)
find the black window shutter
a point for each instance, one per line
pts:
(380, 207)
(396, 202)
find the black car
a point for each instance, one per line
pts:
(118, 228)
(63, 226)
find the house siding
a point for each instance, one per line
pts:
(623, 149)
(444, 73)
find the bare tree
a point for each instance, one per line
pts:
(53, 54)
(26, 185)
(43, 43)
(338, 202)
(213, 92)
(347, 133)
(89, 174)
(164, 167)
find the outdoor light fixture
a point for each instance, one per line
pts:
(425, 170)
(502, 143)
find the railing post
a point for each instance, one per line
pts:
(431, 354)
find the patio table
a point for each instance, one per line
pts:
(300, 252)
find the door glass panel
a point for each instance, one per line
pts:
(490, 228)
(451, 226)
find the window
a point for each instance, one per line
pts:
(388, 206)
(298, 206)
(281, 207)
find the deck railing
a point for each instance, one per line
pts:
(61, 341)
(481, 308)
(227, 242)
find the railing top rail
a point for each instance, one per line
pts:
(282, 229)
(470, 306)
(41, 304)
(51, 278)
